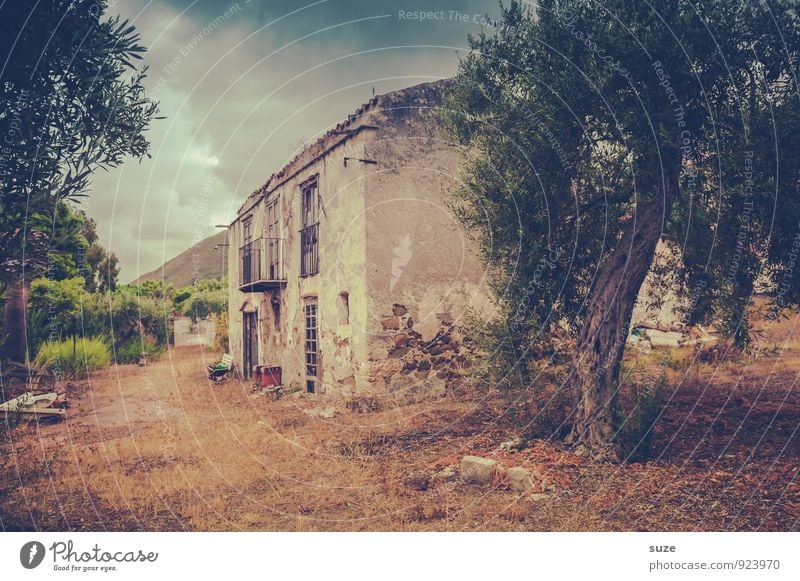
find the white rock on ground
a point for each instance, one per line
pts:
(477, 470)
(520, 479)
(513, 445)
(322, 412)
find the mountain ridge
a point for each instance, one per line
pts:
(200, 261)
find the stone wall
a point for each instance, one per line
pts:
(415, 367)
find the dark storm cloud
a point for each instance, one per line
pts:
(394, 21)
(242, 86)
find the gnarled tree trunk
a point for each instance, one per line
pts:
(601, 343)
(14, 339)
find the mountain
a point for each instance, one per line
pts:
(201, 261)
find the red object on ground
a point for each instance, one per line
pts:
(268, 376)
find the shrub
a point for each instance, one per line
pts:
(204, 303)
(640, 406)
(221, 334)
(74, 355)
(548, 406)
(130, 350)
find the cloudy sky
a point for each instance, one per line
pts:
(243, 84)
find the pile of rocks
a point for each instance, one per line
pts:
(484, 471)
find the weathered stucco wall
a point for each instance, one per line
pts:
(418, 254)
(342, 239)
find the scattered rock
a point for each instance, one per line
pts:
(390, 323)
(326, 412)
(400, 340)
(514, 445)
(537, 497)
(399, 310)
(445, 475)
(477, 470)
(398, 352)
(437, 350)
(548, 486)
(520, 479)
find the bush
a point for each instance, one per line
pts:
(204, 303)
(548, 405)
(74, 355)
(129, 316)
(640, 406)
(221, 342)
(129, 350)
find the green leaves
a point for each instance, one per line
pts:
(71, 106)
(574, 117)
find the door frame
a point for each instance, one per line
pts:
(249, 342)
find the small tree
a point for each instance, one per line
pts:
(598, 128)
(205, 303)
(65, 302)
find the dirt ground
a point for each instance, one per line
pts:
(160, 448)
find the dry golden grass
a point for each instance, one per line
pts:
(159, 448)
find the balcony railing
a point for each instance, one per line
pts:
(309, 250)
(262, 265)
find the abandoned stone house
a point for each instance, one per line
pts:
(347, 267)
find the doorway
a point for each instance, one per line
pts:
(250, 343)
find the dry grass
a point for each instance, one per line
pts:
(161, 449)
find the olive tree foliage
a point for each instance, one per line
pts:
(72, 102)
(599, 128)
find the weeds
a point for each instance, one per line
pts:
(639, 408)
(130, 350)
(74, 356)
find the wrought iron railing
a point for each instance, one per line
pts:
(262, 260)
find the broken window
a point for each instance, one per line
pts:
(309, 235)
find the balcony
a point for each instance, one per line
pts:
(262, 265)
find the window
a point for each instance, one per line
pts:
(344, 308)
(309, 235)
(312, 354)
(248, 230)
(273, 243)
(248, 253)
